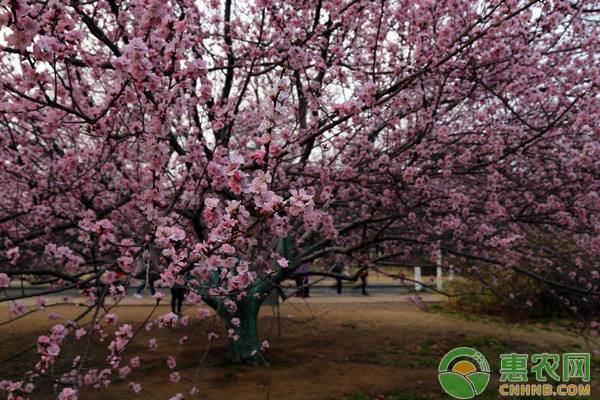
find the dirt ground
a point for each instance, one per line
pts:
(350, 350)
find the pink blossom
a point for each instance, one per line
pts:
(171, 363)
(202, 313)
(43, 340)
(90, 377)
(13, 255)
(126, 263)
(211, 202)
(41, 301)
(228, 249)
(111, 319)
(233, 335)
(177, 234)
(283, 263)
(58, 331)
(136, 387)
(392, 131)
(299, 201)
(4, 280)
(125, 330)
(260, 183)
(68, 394)
(18, 308)
(109, 277)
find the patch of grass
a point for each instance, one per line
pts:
(528, 328)
(426, 346)
(430, 351)
(439, 345)
(595, 362)
(436, 307)
(493, 343)
(570, 347)
(564, 323)
(460, 314)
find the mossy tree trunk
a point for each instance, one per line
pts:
(244, 346)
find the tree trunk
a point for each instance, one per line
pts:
(245, 346)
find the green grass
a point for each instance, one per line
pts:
(462, 315)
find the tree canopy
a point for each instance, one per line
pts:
(239, 140)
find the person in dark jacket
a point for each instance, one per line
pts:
(178, 293)
(363, 281)
(302, 281)
(147, 279)
(338, 268)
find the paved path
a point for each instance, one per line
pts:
(319, 290)
(319, 296)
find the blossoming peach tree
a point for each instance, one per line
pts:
(238, 140)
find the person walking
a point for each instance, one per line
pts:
(148, 274)
(338, 269)
(147, 279)
(363, 279)
(178, 293)
(302, 281)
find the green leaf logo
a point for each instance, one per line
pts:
(464, 380)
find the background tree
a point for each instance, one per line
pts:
(242, 139)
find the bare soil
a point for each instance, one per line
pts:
(327, 350)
